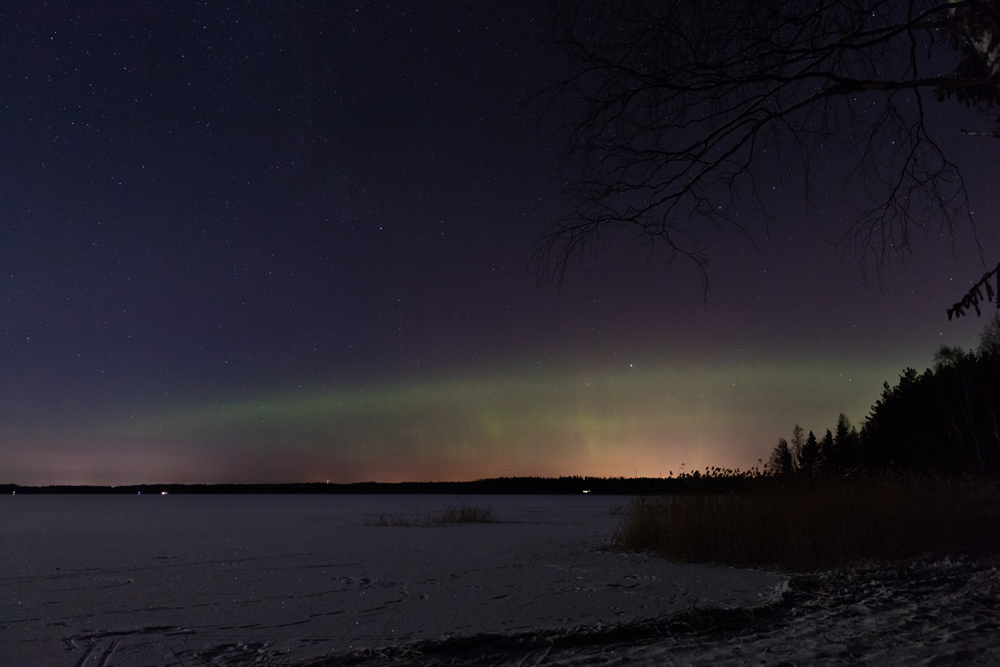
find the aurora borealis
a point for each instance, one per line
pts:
(643, 420)
(281, 244)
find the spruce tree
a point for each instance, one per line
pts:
(846, 445)
(808, 458)
(827, 454)
(781, 462)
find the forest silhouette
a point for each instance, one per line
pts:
(943, 421)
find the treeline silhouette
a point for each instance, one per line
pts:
(945, 421)
(571, 485)
(711, 480)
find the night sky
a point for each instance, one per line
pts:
(281, 242)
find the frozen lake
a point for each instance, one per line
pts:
(183, 579)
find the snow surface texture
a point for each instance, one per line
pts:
(923, 612)
(240, 580)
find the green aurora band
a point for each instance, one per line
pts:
(644, 420)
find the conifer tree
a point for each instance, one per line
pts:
(827, 453)
(781, 462)
(989, 339)
(808, 458)
(846, 445)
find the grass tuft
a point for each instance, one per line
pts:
(813, 523)
(464, 513)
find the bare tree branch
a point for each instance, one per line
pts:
(974, 296)
(676, 112)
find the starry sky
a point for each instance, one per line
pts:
(281, 242)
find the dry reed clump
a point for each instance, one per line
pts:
(813, 523)
(455, 514)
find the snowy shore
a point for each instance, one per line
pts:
(304, 580)
(188, 580)
(922, 612)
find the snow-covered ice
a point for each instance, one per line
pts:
(172, 580)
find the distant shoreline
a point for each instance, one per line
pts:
(495, 486)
